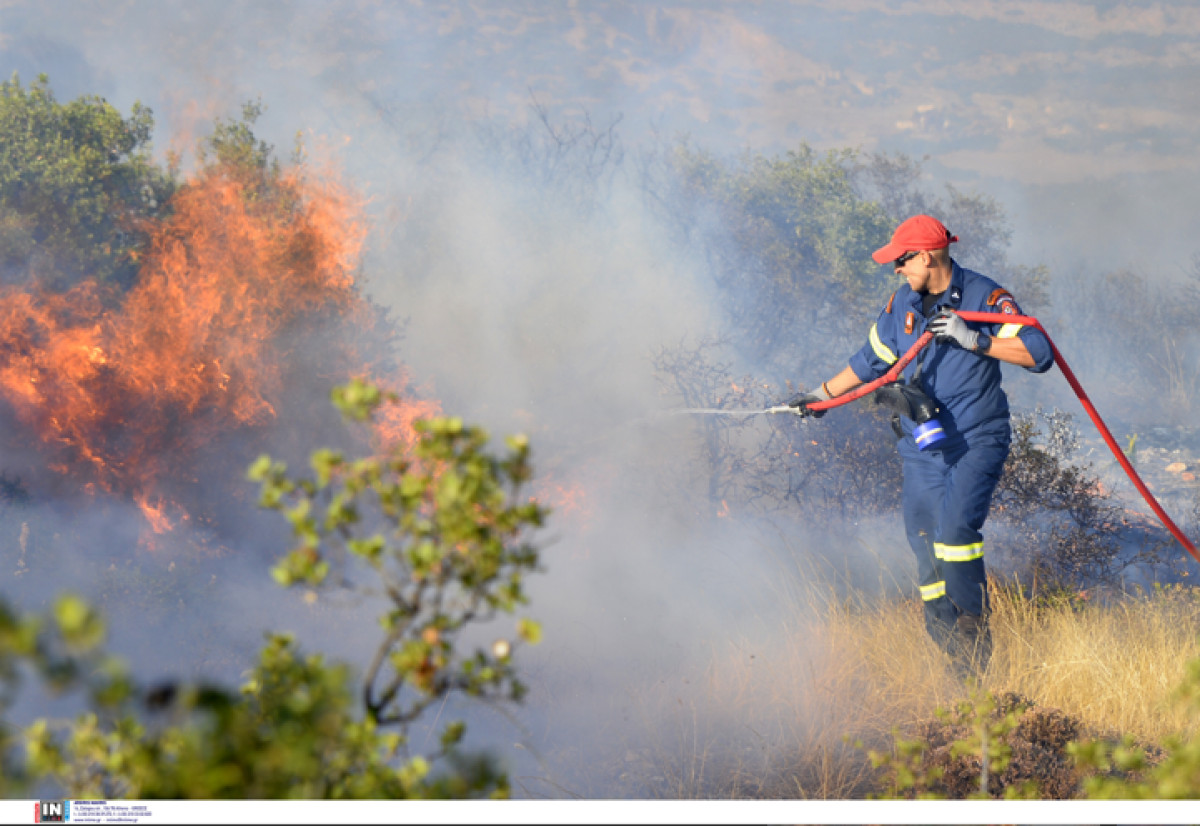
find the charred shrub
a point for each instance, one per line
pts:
(987, 747)
(1026, 755)
(844, 465)
(841, 465)
(724, 450)
(566, 160)
(1059, 526)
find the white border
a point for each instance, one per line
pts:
(646, 811)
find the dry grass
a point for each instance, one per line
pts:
(771, 715)
(775, 723)
(1114, 665)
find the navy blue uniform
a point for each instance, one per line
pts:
(948, 488)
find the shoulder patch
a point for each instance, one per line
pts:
(998, 295)
(890, 300)
(1007, 305)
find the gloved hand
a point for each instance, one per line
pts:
(946, 325)
(801, 401)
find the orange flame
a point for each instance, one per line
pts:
(393, 421)
(116, 384)
(155, 514)
(567, 500)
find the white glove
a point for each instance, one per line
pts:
(946, 325)
(801, 401)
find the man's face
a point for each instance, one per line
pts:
(915, 269)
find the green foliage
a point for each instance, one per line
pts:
(795, 238)
(291, 732)
(234, 144)
(76, 182)
(235, 150)
(356, 400)
(1131, 447)
(1129, 771)
(987, 741)
(61, 650)
(905, 774)
(440, 527)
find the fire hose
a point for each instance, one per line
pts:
(894, 373)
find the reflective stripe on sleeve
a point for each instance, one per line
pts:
(880, 348)
(930, 592)
(958, 553)
(1009, 331)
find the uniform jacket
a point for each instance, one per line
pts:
(965, 385)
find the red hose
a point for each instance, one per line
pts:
(1004, 318)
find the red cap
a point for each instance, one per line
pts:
(920, 232)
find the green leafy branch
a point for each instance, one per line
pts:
(443, 529)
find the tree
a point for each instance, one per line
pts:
(976, 218)
(789, 240)
(197, 341)
(77, 181)
(440, 528)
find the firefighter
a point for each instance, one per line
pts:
(950, 471)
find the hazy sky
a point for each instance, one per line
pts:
(1084, 118)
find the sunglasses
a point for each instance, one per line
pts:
(908, 256)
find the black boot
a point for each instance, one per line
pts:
(970, 645)
(940, 619)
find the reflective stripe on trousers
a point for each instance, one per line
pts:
(934, 591)
(958, 553)
(947, 492)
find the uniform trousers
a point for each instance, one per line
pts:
(947, 492)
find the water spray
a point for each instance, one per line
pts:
(718, 411)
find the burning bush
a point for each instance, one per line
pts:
(1059, 526)
(242, 292)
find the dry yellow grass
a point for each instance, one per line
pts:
(1114, 665)
(771, 714)
(775, 723)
